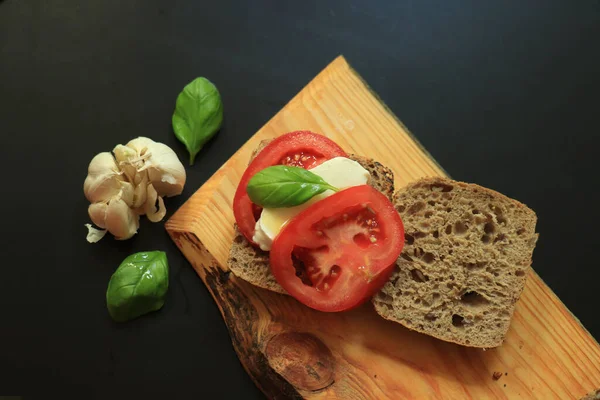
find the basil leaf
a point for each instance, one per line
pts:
(282, 186)
(198, 115)
(138, 286)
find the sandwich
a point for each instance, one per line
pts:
(445, 258)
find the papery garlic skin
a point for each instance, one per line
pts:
(152, 213)
(94, 235)
(104, 178)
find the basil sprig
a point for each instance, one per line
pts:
(283, 186)
(198, 115)
(138, 286)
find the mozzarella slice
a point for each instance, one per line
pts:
(340, 172)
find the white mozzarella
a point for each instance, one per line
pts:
(340, 172)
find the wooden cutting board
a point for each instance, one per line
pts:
(291, 351)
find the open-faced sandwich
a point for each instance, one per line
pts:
(445, 258)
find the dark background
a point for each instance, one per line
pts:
(501, 93)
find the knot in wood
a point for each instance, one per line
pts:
(302, 359)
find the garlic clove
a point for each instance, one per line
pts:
(97, 213)
(152, 213)
(103, 163)
(140, 191)
(166, 183)
(124, 153)
(94, 235)
(140, 178)
(104, 178)
(129, 171)
(127, 160)
(165, 171)
(140, 144)
(140, 210)
(127, 193)
(120, 220)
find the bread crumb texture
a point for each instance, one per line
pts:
(467, 254)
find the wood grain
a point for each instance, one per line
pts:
(295, 352)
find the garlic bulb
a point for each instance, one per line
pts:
(131, 183)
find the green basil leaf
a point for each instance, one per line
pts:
(282, 186)
(138, 286)
(198, 115)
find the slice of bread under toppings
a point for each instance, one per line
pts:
(252, 264)
(467, 254)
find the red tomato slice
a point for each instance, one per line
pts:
(340, 251)
(300, 149)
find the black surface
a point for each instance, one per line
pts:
(502, 94)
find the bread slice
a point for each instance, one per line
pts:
(252, 264)
(467, 254)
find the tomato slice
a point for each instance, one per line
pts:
(337, 253)
(300, 149)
